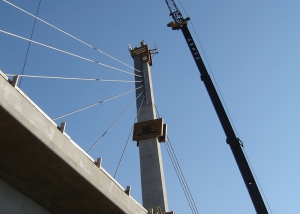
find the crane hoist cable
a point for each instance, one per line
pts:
(181, 23)
(37, 12)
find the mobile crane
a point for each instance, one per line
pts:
(235, 144)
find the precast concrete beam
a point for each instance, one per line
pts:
(43, 163)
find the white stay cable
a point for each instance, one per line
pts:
(62, 51)
(70, 78)
(73, 112)
(64, 32)
(113, 124)
(128, 138)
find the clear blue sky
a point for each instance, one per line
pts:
(253, 51)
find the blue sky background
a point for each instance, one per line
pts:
(253, 51)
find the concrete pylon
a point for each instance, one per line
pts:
(152, 174)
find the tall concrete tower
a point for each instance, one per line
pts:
(148, 133)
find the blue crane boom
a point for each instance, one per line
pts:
(180, 23)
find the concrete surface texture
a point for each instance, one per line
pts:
(14, 202)
(152, 173)
(48, 167)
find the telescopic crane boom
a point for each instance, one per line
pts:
(180, 23)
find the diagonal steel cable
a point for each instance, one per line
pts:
(180, 177)
(64, 32)
(180, 174)
(70, 78)
(62, 51)
(33, 27)
(183, 180)
(128, 138)
(84, 108)
(113, 123)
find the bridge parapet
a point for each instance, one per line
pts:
(45, 164)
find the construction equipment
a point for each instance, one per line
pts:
(158, 211)
(235, 144)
